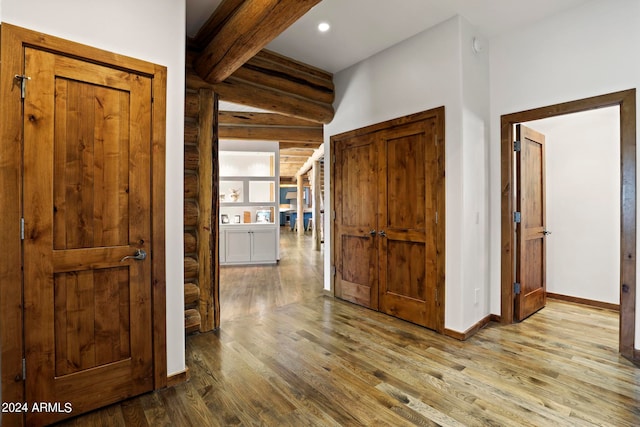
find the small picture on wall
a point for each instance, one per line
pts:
(236, 219)
(224, 218)
(263, 216)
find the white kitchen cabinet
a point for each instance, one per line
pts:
(244, 244)
(249, 202)
(263, 244)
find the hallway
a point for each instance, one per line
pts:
(288, 356)
(258, 289)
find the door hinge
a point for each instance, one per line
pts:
(24, 369)
(436, 217)
(21, 228)
(333, 270)
(517, 217)
(333, 214)
(23, 84)
(517, 146)
(516, 288)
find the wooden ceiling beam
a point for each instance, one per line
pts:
(289, 158)
(295, 154)
(262, 78)
(270, 69)
(241, 30)
(270, 133)
(268, 126)
(298, 144)
(242, 118)
(297, 162)
(218, 18)
(289, 155)
(266, 98)
(270, 99)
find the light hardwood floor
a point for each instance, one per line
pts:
(257, 290)
(287, 355)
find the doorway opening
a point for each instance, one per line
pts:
(627, 104)
(293, 270)
(582, 206)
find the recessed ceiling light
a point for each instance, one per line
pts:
(323, 27)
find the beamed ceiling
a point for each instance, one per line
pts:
(264, 96)
(245, 51)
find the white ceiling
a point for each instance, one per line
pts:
(361, 28)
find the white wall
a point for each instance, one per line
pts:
(474, 221)
(586, 51)
(418, 74)
(582, 154)
(151, 30)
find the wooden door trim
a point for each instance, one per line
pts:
(627, 102)
(439, 113)
(13, 39)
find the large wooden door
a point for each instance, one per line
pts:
(356, 201)
(407, 179)
(530, 231)
(87, 210)
(388, 196)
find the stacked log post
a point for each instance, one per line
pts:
(190, 243)
(198, 205)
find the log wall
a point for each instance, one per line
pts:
(200, 211)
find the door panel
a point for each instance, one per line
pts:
(408, 179)
(84, 217)
(404, 178)
(263, 246)
(358, 279)
(237, 246)
(87, 134)
(356, 217)
(407, 277)
(531, 249)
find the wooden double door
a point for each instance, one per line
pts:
(389, 217)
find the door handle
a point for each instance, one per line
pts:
(382, 233)
(372, 232)
(546, 232)
(138, 255)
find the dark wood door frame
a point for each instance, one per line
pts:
(627, 102)
(13, 41)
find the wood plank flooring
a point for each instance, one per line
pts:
(288, 356)
(256, 290)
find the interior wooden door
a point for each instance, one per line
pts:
(356, 193)
(408, 182)
(531, 231)
(87, 210)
